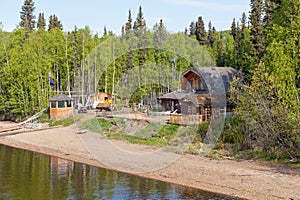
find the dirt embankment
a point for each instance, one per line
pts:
(245, 179)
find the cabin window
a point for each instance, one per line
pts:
(53, 104)
(200, 85)
(191, 84)
(61, 104)
(69, 104)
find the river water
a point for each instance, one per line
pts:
(28, 175)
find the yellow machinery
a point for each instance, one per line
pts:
(103, 101)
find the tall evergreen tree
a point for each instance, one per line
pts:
(27, 17)
(128, 24)
(41, 21)
(140, 23)
(243, 22)
(122, 32)
(200, 31)
(192, 28)
(256, 30)
(54, 23)
(104, 32)
(211, 34)
(140, 32)
(233, 30)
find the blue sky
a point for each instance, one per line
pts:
(177, 14)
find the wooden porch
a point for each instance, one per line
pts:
(186, 119)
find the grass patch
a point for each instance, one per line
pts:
(158, 142)
(163, 136)
(168, 132)
(106, 124)
(63, 122)
(150, 128)
(98, 125)
(92, 125)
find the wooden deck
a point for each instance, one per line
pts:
(186, 119)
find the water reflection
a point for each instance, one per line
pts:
(28, 175)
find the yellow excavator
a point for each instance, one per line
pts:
(103, 102)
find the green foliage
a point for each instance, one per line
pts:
(262, 121)
(202, 131)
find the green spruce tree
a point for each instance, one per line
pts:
(140, 23)
(104, 32)
(192, 29)
(128, 25)
(233, 30)
(257, 30)
(211, 34)
(200, 31)
(27, 16)
(54, 23)
(41, 21)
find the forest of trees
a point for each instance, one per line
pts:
(264, 46)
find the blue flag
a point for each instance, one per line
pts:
(51, 81)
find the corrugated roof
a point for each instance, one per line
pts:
(213, 75)
(199, 99)
(174, 95)
(61, 97)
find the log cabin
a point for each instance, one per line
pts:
(203, 95)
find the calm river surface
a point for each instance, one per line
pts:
(29, 175)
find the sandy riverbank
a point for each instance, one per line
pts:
(243, 179)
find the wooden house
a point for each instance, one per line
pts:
(203, 94)
(61, 107)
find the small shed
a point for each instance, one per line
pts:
(61, 107)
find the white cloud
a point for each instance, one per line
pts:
(208, 5)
